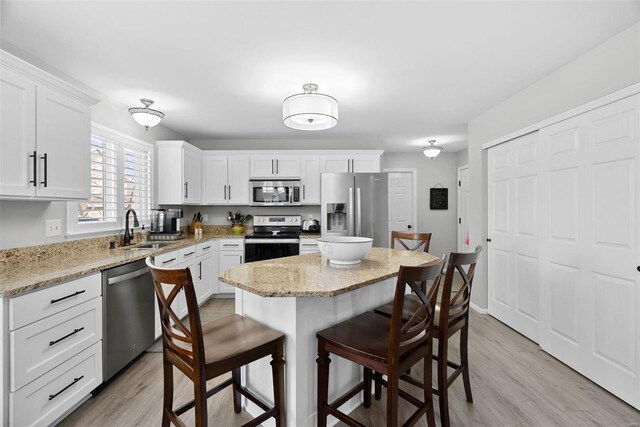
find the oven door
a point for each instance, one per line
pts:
(262, 249)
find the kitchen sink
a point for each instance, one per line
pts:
(148, 246)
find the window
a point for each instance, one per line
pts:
(121, 179)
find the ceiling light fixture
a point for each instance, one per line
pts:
(310, 110)
(146, 116)
(432, 150)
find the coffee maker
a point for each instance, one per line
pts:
(166, 224)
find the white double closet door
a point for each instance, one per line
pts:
(586, 209)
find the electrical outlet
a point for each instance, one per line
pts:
(53, 227)
(205, 218)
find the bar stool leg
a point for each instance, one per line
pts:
(427, 379)
(366, 398)
(443, 392)
(377, 385)
(323, 362)
(237, 402)
(167, 369)
(200, 399)
(277, 370)
(392, 400)
(464, 360)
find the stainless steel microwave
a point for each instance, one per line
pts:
(275, 193)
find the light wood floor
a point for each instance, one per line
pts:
(513, 382)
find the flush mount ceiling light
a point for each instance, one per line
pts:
(146, 116)
(432, 150)
(310, 110)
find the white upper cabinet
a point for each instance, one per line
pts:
(351, 163)
(35, 155)
(310, 177)
(226, 180)
(275, 166)
(179, 173)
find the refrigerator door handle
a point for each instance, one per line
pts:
(350, 214)
(358, 216)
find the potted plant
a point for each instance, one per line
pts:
(237, 221)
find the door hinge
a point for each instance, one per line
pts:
(459, 183)
(459, 220)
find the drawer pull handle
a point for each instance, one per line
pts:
(231, 246)
(189, 254)
(75, 380)
(75, 331)
(205, 248)
(53, 301)
(168, 261)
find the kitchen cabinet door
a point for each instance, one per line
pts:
(365, 163)
(17, 135)
(63, 135)
(335, 164)
(203, 276)
(215, 180)
(227, 260)
(310, 176)
(288, 167)
(263, 166)
(238, 180)
(192, 171)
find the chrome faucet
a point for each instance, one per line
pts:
(127, 236)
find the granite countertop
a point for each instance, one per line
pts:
(28, 269)
(312, 276)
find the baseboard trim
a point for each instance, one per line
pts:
(478, 309)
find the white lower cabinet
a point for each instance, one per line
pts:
(308, 245)
(231, 253)
(44, 400)
(54, 352)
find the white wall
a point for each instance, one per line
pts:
(462, 158)
(611, 66)
(443, 170)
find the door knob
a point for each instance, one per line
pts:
(409, 227)
(639, 268)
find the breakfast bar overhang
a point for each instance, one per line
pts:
(301, 295)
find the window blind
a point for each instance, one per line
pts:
(102, 205)
(137, 180)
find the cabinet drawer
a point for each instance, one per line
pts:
(37, 305)
(169, 259)
(43, 345)
(308, 245)
(50, 396)
(232, 244)
(205, 247)
(186, 254)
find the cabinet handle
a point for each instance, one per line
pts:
(75, 380)
(200, 270)
(304, 192)
(75, 331)
(206, 247)
(44, 157)
(53, 301)
(168, 261)
(186, 190)
(235, 245)
(189, 253)
(240, 259)
(225, 191)
(277, 167)
(34, 156)
(271, 166)
(229, 191)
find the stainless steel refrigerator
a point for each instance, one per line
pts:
(356, 204)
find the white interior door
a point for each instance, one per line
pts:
(401, 202)
(463, 209)
(513, 230)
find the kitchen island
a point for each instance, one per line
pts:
(300, 296)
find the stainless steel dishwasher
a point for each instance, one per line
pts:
(129, 314)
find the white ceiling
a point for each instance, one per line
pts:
(403, 72)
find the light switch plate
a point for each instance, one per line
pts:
(53, 227)
(205, 218)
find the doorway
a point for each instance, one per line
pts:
(463, 208)
(402, 200)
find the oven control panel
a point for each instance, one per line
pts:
(278, 220)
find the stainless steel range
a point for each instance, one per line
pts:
(274, 236)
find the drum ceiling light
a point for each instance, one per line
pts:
(146, 116)
(432, 150)
(310, 110)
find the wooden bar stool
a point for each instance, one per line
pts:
(203, 352)
(452, 315)
(385, 345)
(419, 240)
